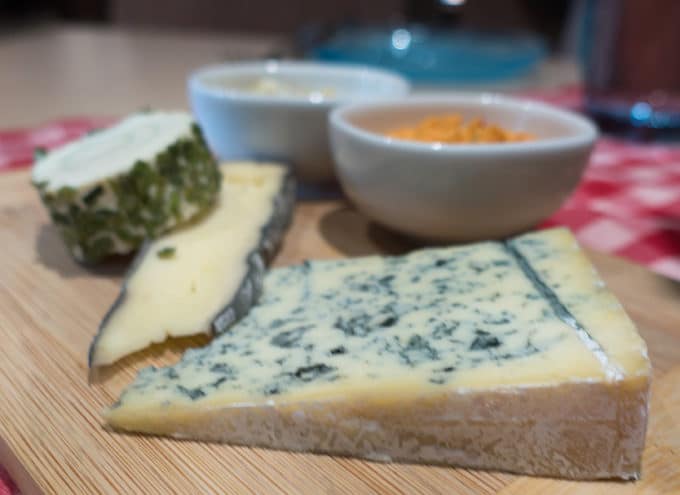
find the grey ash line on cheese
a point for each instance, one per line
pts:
(558, 307)
(434, 311)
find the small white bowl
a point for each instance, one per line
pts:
(459, 192)
(238, 123)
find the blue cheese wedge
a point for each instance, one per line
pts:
(510, 356)
(206, 275)
(110, 191)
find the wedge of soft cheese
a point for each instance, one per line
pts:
(206, 275)
(509, 356)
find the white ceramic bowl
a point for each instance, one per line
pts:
(292, 128)
(457, 192)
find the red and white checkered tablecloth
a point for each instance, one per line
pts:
(627, 204)
(7, 486)
(17, 145)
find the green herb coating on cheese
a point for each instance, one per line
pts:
(114, 212)
(166, 253)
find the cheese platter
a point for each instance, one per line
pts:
(54, 440)
(412, 334)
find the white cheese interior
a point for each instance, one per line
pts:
(180, 295)
(112, 151)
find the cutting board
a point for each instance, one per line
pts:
(50, 423)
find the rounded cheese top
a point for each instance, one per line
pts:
(112, 151)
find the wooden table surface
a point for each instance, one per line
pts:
(51, 436)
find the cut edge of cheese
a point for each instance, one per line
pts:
(609, 327)
(583, 431)
(206, 275)
(589, 426)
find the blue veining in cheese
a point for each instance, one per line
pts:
(454, 324)
(436, 312)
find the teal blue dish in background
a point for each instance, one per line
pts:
(435, 56)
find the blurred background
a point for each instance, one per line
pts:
(270, 16)
(59, 56)
(617, 57)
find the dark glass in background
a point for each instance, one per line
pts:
(633, 67)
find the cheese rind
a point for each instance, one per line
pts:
(465, 356)
(213, 271)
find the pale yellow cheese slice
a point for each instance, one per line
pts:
(181, 283)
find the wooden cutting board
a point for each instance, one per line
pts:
(50, 425)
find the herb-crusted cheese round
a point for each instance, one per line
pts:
(111, 190)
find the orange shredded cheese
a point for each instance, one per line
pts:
(452, 129)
